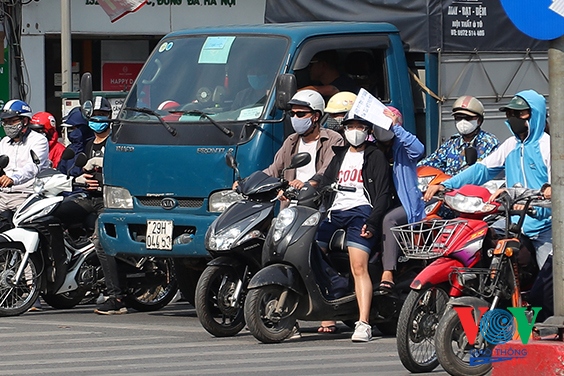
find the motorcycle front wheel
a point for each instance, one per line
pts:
(214, 307)
(270, 313)
(418, 320)
(155, 290)
(453, 349)
(16, 297)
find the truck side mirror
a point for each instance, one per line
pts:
(286, 87)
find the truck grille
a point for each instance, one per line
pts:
(182, 202)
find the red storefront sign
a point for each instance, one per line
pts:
(119, 76)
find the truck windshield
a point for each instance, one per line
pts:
(226, 78)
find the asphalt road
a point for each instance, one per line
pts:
(172, 342)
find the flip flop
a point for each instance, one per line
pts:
(330, 329)
(387, 286)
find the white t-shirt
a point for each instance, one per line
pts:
(305, 173)
(350, 175)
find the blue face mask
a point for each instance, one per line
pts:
(258, 82)
(97, 123)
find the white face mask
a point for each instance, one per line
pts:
(465, 127)
(356, 137)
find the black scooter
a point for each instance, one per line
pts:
(299, 282)
(235, 240)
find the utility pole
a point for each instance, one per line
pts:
(66, 56)
(556, 80)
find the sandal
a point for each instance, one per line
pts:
(387, 286)
(330, 329)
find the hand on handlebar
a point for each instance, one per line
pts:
(432, 190)
(298, 184)
(5, 181)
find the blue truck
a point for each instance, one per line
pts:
(205, 93)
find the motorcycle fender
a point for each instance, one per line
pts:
(435, 273)
(469, 301)
(29, 239)
(278, 274)
(225, 261)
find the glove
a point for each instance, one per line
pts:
(94, 163)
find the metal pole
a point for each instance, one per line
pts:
(556, 82)
(66, 57)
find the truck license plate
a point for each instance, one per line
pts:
(159, 235)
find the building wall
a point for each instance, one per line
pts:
(42, 19)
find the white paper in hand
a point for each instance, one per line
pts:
(370, 108)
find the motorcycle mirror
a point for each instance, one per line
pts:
(470, 155)
(81, 160)
(232, 163)
(299, 160)
(34, 158)
(85, 88)
(4, 160)
(68, 154)
(286, 87)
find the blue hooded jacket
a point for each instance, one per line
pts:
(526, 162)
(407, 151)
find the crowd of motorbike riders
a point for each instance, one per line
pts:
(379, 163)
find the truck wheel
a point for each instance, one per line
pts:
(418, 320)
(214, 293)
(453, 350)
(264, 322)
(16, 297)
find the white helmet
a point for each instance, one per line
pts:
(341, 102)
(309, 98)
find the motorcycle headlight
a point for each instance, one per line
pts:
(219, 201)
(282, 223)
(465, 204)
(117, 198)
(38, 185)
(223, 240)
(424, 181)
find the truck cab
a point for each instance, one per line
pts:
(205, 93)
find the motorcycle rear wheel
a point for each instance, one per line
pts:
(213, 301)
(453, 350)
(418, 320)
(17, 297)
(264, 323)
(157, 288)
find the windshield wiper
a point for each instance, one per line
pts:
(145, 110)
(225, 130)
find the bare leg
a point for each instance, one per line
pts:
(362, 282)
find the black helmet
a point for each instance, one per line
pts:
(102, 104)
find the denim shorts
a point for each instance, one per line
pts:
(351, 221)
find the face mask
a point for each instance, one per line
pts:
(301, 125)
(258, 82)
(97, 123)
(518, 125)
(334, 123)
(465, 127)
(382, 134)
(356, 137)
(13, 130)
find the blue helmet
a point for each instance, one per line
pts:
(16, 107)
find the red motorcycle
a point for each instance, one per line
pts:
(455, 243)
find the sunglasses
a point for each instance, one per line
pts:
(299, 114)
(464, 117)
(353, 127)
(516, 113)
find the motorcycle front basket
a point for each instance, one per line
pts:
(428, 239)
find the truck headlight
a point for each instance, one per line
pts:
(117, 198)
(219, 201)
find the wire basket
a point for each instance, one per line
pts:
(428, 239)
